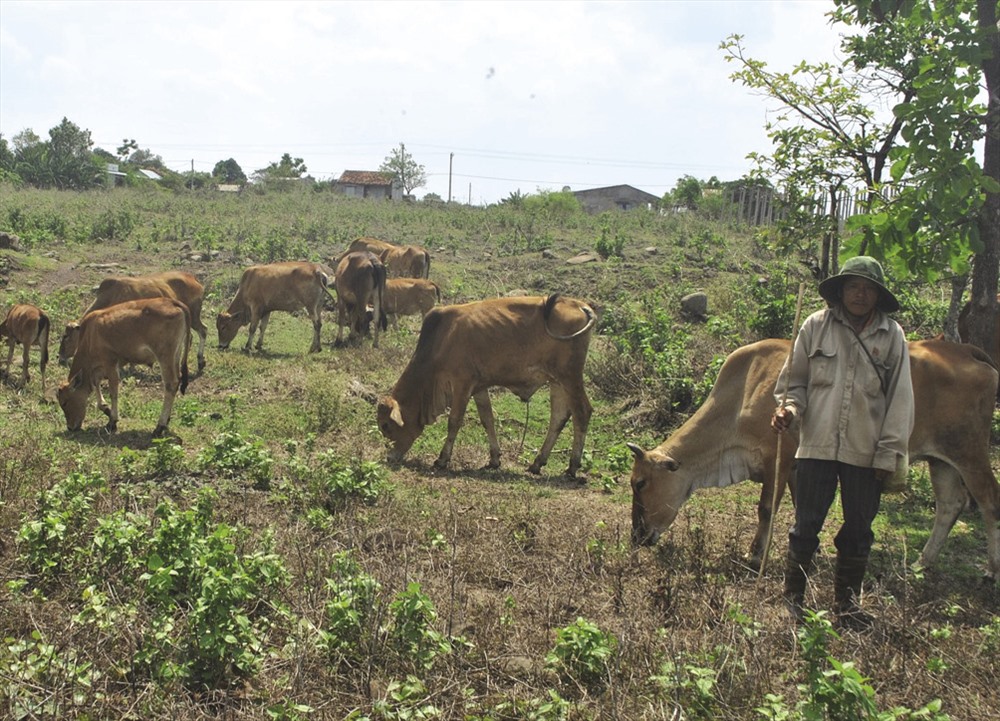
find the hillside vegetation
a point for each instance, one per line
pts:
(263, 561)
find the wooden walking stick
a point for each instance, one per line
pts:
(777, 457)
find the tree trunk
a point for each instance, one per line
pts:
(986, 263)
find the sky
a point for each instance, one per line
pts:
(491, 98)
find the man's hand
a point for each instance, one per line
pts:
(882, 475)
(781, 420)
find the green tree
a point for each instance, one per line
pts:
(6, 155)
(146, 158)
(947, 209)
(287, 167)
(127, 147)
(228, 171)
(407, 171)
(827, 138)
(686, 193)
(71, 163)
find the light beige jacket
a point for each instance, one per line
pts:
(836, 395)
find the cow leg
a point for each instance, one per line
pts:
(254, 322)
(171, 384)
(264, 318)
(561, 407)
(950, 498)
(317, 320)
(460, 402)
(341, 319)
(112, 412)
(25, 375)
(485, 409)
(10, 356)
(202, 337)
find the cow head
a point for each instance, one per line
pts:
(72, 396)
(228, 325)
(69, 343)
(657, 494)
(391, 424)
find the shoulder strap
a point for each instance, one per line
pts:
(881, 380)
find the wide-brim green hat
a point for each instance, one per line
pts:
(861, 266)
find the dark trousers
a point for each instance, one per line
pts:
(815, 487)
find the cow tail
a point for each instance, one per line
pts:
(187, 348)
(437, 291)
(42, 339)
(427, 268)
(380, 278)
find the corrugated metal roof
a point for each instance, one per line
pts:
(151, 174)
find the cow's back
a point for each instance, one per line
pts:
(132, 331)
(954, 388)
(504, 340)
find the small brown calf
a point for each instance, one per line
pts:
(27, 325)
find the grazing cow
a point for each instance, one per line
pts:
(360, 283)
(401, 261)
(27, 325)
(409, 296)
(136, 331)
(117, 289)
(464, 350)
(275, 286)
(729, 440)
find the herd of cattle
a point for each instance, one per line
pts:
(147, 319)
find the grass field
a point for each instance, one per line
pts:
(263, 561)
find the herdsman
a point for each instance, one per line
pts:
(848, 386)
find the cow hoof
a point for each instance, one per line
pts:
(441, 465)
(535, 469)
(159, 431)
(111, 427)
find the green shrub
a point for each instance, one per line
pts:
(582, 653)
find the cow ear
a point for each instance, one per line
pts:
(72, 325)
(662, 460)
(394, 413)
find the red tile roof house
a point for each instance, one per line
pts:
(369, 184)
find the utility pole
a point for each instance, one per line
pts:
(451, 157)
(192, 174)
(470, 192)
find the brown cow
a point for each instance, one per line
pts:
(464, 350)
(360, 283)
(116, 289)
(136, 331)
(401, 261)
(276, 286)
(27, 325)
(729, 440)
(409, 296)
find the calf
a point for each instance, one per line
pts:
(117, 289)
(409, 296)
(152, 330)
(27, 325)
(276, 286)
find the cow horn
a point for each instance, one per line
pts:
(591, 319)
(636, 451)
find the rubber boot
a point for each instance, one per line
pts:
(847, 592)
(797, 569)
